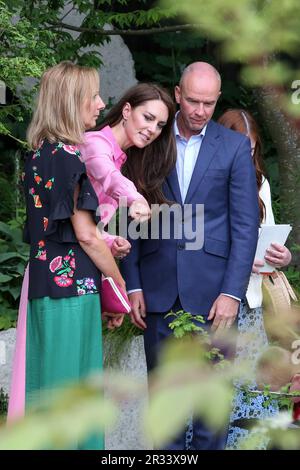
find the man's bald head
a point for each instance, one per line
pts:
(197, 95)
(201, 69)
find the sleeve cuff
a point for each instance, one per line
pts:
(134, 290)
(232, 296)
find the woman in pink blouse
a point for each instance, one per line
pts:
(140, 124)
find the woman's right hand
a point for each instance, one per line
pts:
(120, 247)
(140, 210)
(113, 320)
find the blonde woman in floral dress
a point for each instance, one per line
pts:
(63, 327)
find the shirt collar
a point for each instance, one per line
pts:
(117, 151)
(177, 133)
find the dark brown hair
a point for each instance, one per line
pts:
(242, 121)
(147, 167)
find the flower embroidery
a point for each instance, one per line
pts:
(89, 283)
(57, 148)
(37, 178)
(86, 286)
(49, 183)
(63, 281)
(36, 154)
(72, 150)
(55, 264)
(41, 254)
(64, 269)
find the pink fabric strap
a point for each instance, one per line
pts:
(16, 405)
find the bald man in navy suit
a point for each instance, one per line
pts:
(214, 168)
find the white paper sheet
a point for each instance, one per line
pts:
(270, 234)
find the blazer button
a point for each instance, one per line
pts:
(180, 247)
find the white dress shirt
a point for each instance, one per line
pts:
(187, 153)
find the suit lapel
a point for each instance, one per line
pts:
(172, 181)
(205, 156)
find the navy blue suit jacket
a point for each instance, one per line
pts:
(224, 181)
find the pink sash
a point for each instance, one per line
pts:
(16, 405)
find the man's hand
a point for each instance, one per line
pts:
(138, 309)
(140, 210)
(120, 247)
(223, 312)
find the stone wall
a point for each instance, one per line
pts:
(128, 433)
(7, 346)
(117, 73)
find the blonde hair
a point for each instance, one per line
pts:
(275, 368)
(64, 89)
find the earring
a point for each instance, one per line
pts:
(124, 122)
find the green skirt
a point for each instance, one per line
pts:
(63, 345)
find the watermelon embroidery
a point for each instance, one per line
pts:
(36, 198)
(64, 268)
(45, 222)
(41, 254)
(37, 178)
(49, 184)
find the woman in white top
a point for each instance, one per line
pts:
(252, 338)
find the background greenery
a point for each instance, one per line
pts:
(254, 44)
(39, 25)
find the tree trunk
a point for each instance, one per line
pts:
(285, 133)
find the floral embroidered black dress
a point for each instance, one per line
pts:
(63, 334)
(58, 265)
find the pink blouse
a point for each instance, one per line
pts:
(104, 158)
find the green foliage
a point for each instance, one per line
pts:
(277, 431)
(46, 26)
(282, 397)
(3, 404)
(63, 417)
(293, 276)
(18, 58)
(13, 259)
(11, 196)
(117, 340)
(187, 380)
(248, 31)
(170, 53)
(185, 323)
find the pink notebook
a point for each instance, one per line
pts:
(113, 298)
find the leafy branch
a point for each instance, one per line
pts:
(124, 32)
